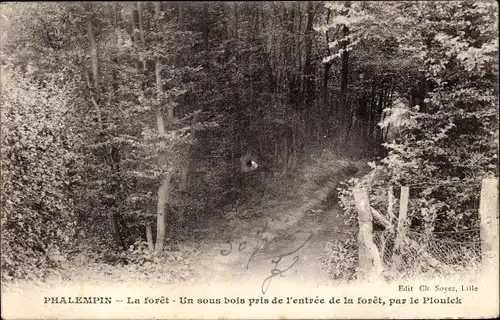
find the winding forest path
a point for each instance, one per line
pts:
(286, 244)
(256, 250)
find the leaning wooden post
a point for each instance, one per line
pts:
(402, 225)
(370, 264)
(488, 212)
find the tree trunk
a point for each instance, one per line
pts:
(94, 66)
(185, 168)
(308, 68)
(370, 264)
(164, 188)
(206, 33)
(141, 35)
(236, 18)
(93, 50)
(163, 192)
(149, 237)
(344, 73)
(181, 15)
(327, 109)
(291, 75)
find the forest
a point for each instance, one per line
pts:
(135, 135)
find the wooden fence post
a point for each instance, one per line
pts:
(402, 225)
(370, 264)
(391, 218)
(390, 205)
(488, 212)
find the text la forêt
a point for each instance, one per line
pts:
(104, 300)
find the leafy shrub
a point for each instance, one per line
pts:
(36, 214)
(341, 260)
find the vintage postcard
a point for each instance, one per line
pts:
(249, 160)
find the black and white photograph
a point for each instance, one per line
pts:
(249, 160)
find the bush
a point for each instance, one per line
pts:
(173, 263)
(36, 214)
(341, 260)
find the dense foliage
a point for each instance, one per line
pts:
(37, 212)
(448, 135)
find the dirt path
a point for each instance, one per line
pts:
(294, 254)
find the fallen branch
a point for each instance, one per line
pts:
(382, 220)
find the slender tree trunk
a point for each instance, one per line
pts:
(206, 34)
(298, 37)
(236, 20)
(328, 109)
(308, 68)
(141, 35)
(93, 50)
(94, 85)
(241, 107)
(181, 14)
(291, 75)
(164, 188)
(344, 74)
(327, 67)
(134, 31)
(185, 168)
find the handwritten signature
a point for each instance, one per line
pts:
(275, 260)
